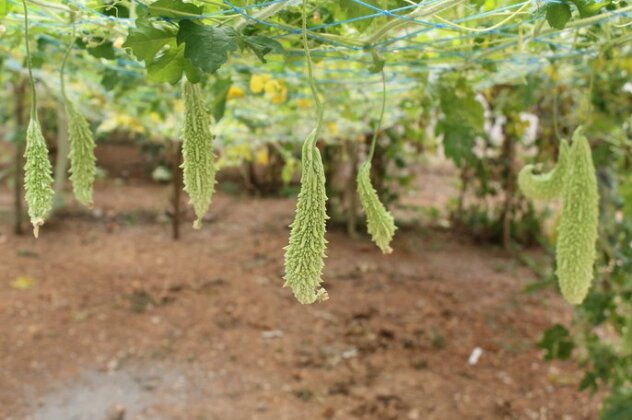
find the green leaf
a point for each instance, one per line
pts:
(589, 8)
(262, 46)
(220, 90)
(168, 66)
(207, 46)
(173, 9)
(463, 119)
(145, 41)
(105, 50)
(618, 406)
(5, 8)
(558, 14)
(556, 343)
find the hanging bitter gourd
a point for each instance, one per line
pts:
(197, 152)
(82, 160)
(380, 222)
(549, 185)
(578, 229)
(306, 249)
(38, 179)
(575, 181)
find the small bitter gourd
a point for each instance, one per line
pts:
(82, 160)
(197, 152)
(380, 222)
(38, 179)
(549, 185)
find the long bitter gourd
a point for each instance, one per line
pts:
(197, 152)
(578, 229)
(305, 252)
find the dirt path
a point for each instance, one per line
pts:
(118, 314)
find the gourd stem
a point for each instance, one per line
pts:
(29, 63)
(310, 73)
(62, 72)
(378, 127)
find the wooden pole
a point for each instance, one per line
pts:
(19, 90)
(177, 189)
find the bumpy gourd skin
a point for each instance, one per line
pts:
(578, 229)
(549, 185)
(197, 152)
(380, 222)
(82, 160)
(305, 252)
(38, 178)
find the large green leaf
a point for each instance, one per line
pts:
(5, 8)
(262, 46)
(558, 14)
(145, 41)
(207, 46)
(173, 9)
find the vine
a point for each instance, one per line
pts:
(305, 253)
(82, 160)
(380, 222)
(38, 170)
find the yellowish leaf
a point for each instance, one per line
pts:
(23, 283)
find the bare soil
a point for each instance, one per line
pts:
(120, 321)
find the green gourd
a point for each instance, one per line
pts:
(380, 222)
(82, 160)
(578, 229)
(38, 179)
(305, 253)
(197, 152)
(549, 185)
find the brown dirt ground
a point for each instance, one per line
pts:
(120, 314)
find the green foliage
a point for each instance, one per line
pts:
(5, 8)
(207, 46)
(549, 185)
(82, 160)
(305, 252)
(38, 178)
(163, 57)
(173, 9)
(575, 249)
(197, 151)
(556, 343)
(380, 222)
(462, 121)
(618, 406)
(558, 14)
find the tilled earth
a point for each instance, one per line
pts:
(106, 317)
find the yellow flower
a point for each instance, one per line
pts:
(276, 91)
(263, 158)
(155, 117)
(258, 82)
(333, 127)
(235, 92)
(303, 103)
